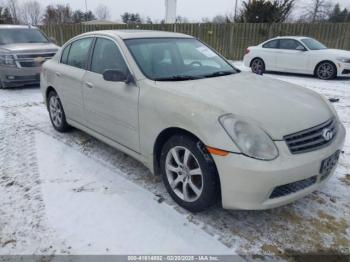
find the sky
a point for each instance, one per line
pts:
(194, 10)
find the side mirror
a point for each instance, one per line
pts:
(300, 48)
(53, 40)
(114, 75)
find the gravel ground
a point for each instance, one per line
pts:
(318, 223)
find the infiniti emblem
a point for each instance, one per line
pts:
(327, 134)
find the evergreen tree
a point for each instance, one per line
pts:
(338, 15)
(264, 11)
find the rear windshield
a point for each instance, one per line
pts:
(14, 36)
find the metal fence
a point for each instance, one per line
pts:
(229, 39)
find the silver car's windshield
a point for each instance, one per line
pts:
(21, 35)
(177, 59)
(313, 44)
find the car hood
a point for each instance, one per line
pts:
(30, 47)
(278, 107)
(335, 52)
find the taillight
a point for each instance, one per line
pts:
(247, 51)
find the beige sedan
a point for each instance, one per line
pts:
(215, 134)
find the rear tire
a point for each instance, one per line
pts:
(189, 173)
(56, 111)
(258, 66)
(326, 71)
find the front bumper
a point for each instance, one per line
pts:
(343, 69)
(14, 77)
(247, 183)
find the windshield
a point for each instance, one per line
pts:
(176, 59)
(313, 44)
(14, 36)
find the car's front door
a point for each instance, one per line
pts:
(111, 108)
(68, 77)
(292, 56)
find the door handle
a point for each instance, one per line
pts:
(89, 85)
(58, 74)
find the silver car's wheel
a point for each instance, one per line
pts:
(57, 115)
(326, 71)
(55, 111)
(184, 174)
(258, 66)
(189, 173)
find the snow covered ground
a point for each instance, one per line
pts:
(71, 194)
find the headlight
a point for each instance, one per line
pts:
(7, 60)
(249, 138)
(344, 59)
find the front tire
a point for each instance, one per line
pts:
(258, 66)
(189, 173)
(326, 71)
(57, 115)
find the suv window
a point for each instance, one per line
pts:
(289, 44)
(107, 56)
(271, 44)
(64, 57)
(79, 52)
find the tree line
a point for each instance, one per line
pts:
(250, 11)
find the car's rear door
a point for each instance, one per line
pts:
(69, 74)
(111, 108)
(290, 59)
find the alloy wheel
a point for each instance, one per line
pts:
(56, 111)
(184, 174)
(257, 66)
(325, 71)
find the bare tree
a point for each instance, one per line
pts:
(59, 14)
(102, 12)
(318, 11)
(31, 12)
(12, 6)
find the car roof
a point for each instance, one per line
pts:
(17, 27)
(289, 37)
(134, 34)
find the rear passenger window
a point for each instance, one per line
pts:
(107, 56)
(271, 44)
(289, 44)
(64, 58)
(79, 51)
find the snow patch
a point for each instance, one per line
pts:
(98, 211)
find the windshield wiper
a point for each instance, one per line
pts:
(219, 73)
(177, 78)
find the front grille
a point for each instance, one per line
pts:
(29, 64)
(28, 60)
(25, 56)
(311, 139)
(291, 188)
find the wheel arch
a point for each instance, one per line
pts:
(161, 140)
(167, 134)
(47, 92)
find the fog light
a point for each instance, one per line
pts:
(11, 77)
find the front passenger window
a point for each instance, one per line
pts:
(107, 56)
(79, 52)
